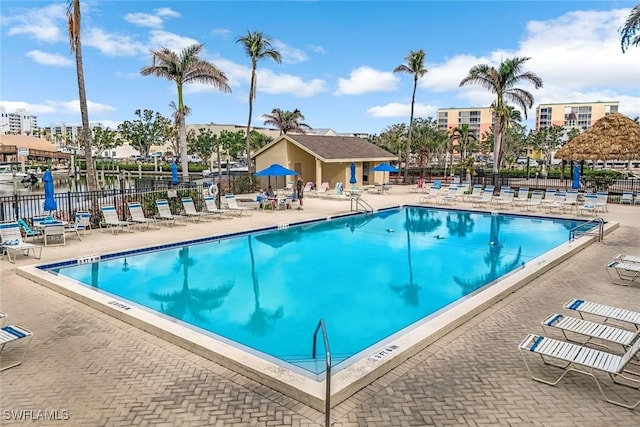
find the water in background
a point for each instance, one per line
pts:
(64, 185)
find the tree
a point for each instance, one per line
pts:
(186, 67)
(105, 139)
(257, 47)
(393, 138)
(502, 82)
(75, 28)
(286, 121)
(259, 140)
(148, 129)
(203, 143)
(232, 142)
(464, 135)
(630, 32)
(548, 139)
(415, 66)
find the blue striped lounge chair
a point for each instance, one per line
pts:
(164, 213)
(583, 360)
(112, 221)
(11, 242)
(12, 334)
(606, 312)
(138, 218)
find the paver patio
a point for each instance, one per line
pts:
(104, 372)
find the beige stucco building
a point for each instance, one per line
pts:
(579, 115)
(479, 119)
(325, 158)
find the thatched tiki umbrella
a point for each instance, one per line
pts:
(613, 137)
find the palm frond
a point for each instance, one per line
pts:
(630, 32)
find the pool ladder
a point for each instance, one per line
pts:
(360, 204)
(327, 354)
(582, 230)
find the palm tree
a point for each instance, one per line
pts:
(415, 66)
(185, 67)
(502, 81)
(464, 135)
(75, 28)
(630, 32)
(260, 319)
(286, 121)
(257, 47)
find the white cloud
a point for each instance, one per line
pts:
(223, 33)
(73, 107)
(108, 124)
(159, 39)
(316, 48)
(394, 109)
(44, 24)
(35, 109)
(167, 12)
(365, 80)
(144, 20)
(112, 44)
(290, 55)
(46, 58)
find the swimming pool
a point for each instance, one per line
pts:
(377, 278)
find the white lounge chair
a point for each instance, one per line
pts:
(571, 200)
(505, 200)
(138, 218)
(14, 333)
(211, 207)
(82, 224)
(190, 210)
(232, 204)
(605, 311)
(626, 272)
(591, 330)
(112, 221)
(602, 198)
(627, 258)
(164, 213)
(485, 199)
(589, 205)
(11, 242)
(584, 360)
(523, 197)
(476, 193)
(432, 196)
(627, 197)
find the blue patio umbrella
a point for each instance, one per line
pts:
(576, 177)
(174, 173)
(384, 167)
(276, 170)
(50, 204)
(353, 179)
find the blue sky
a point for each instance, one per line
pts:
(338, 57)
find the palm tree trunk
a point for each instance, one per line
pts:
(182, 136)
(85, 135)
(251, 96)
(497, 145)
(408, 150)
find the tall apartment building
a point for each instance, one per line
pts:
(63, 134)
(21, 122)
(479, 119)
(579, 115)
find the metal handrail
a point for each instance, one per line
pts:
(576, 231)
(360, 203)
(327, 353)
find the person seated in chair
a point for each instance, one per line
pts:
(270, 192)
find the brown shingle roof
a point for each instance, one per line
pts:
(342, 147)
(27, 142)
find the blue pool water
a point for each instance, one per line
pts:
(367, 276)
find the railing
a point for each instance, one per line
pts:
(584, 230)
(327, 354)
(359, 203)
(27, 206)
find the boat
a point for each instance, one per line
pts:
(9, 170)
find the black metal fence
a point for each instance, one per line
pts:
(30, 205)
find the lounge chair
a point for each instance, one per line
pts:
(418, 187)
(591, 330)
(584, 360)
(627, 258)
(535, 202)
(320, 191)
(11, 242)
(28, 231)
(627, 197)
(476, 193)
(571, 200)
(589, 205)
(449, 195)
(138, 218)
(190, 210)
(606, 311)
(82, 223)
(432, 196)
(3, 318)
(232, 204)
(212, 208)
(523, 197)
(14, 333)
(112, 221)
(557, 202)
(164, 213)
(626, 272)
(505, 200)
(602, 197)
(485, 199)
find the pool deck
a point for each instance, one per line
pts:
(106, 372)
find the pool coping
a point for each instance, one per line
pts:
(344, 383)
